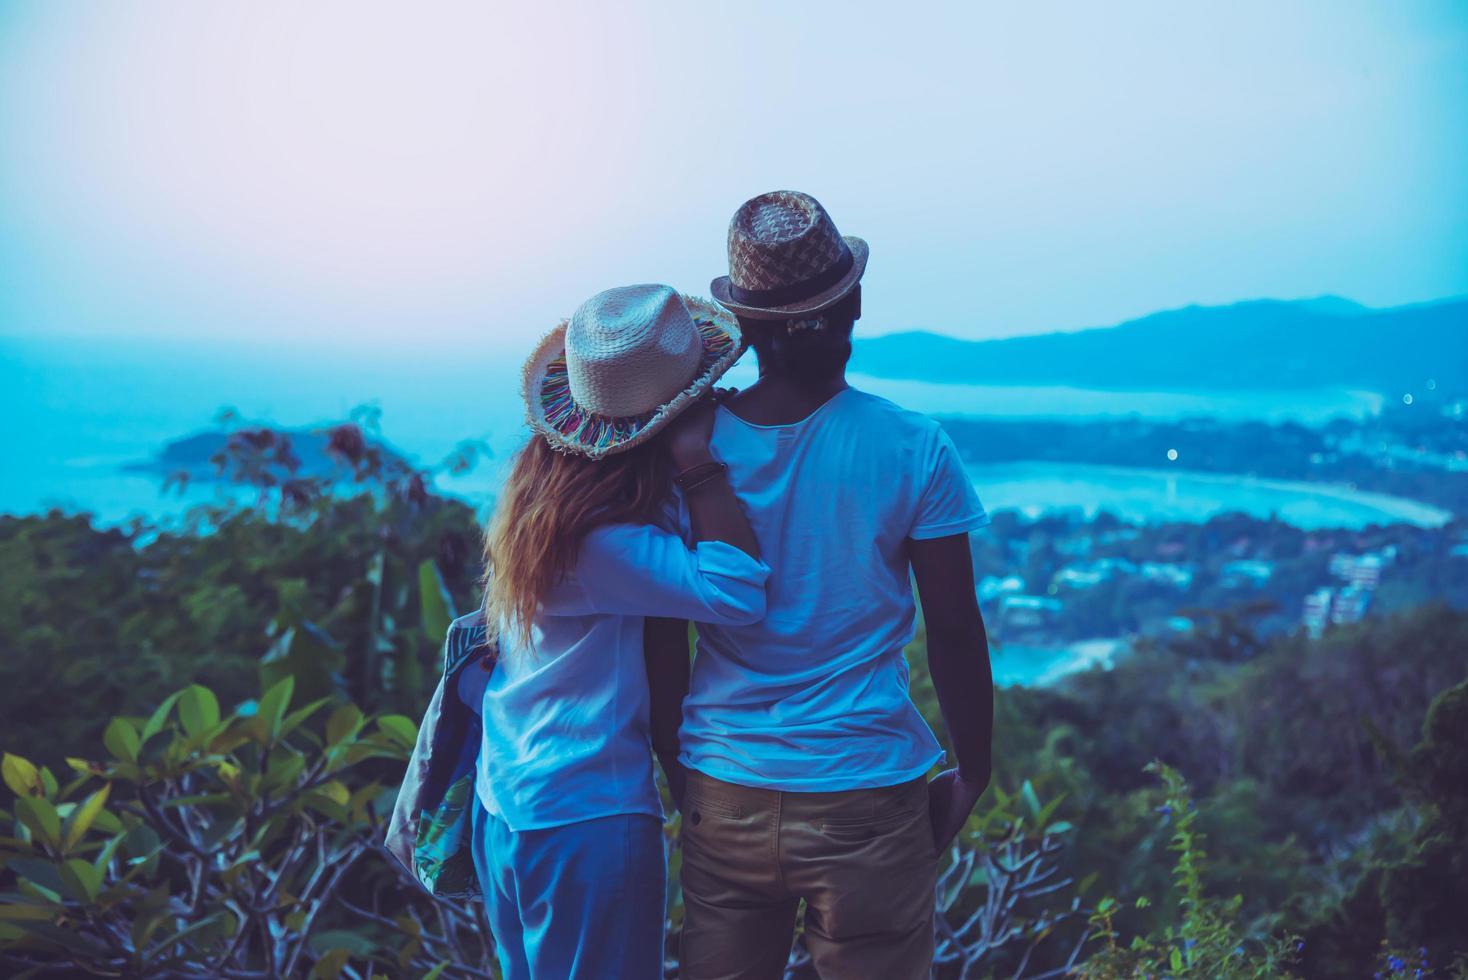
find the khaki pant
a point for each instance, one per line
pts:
(863, 861)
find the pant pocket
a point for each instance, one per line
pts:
(856, 830)
(700, 807)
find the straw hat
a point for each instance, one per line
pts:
(786, 258)
(626, 363)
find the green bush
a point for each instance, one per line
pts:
(208, 844)
(1208, 942)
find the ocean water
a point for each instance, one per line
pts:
(1020, 665)
(1151, 495)
(1309, 406)
(75, 412)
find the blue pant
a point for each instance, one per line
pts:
(583, 901)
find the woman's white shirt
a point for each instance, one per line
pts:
(566, 719)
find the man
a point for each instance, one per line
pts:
(800, 763)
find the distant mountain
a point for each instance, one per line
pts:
(1264, 344)
(1332, 306)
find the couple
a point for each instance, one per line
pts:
(785, 523)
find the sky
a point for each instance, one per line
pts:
(442, 176)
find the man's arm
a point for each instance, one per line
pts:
(958, 661)
(665, 648)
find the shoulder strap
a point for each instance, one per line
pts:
(468, 639)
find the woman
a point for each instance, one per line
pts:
(568, 841)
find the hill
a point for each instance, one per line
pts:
(199, 456)
(1263, 344)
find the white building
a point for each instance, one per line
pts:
(1317, 610)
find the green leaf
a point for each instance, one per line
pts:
(400, 728)
(330, 966)
(40, 817)
(159, 717)
(1176, 959)
(198, 709)
(353, 942)
(81, 879)
(20, 775)
(437, 971)
(296, 718)
(284, 769)
(436, 605)
(83, 817)
(273, 704)
(105, 855)
(1032, 802)
(142, 845)
(336, 791)
(8, 911)
(1049, 809)
(207, 922)
(343, 723)
(121, 739)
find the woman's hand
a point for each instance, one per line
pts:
(689, 433)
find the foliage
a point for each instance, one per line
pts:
(1207, 941)
(1404, 964)
(1003, 899)
(214, 845)
(1300, 802)
(1413, 899)
(345, 591)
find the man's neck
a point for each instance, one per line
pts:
(778, 399)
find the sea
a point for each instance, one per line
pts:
(76, 413)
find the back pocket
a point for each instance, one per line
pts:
(699, 807)
(856, 830)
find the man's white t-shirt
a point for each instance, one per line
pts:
(814, 697)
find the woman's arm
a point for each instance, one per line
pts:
(642, 570)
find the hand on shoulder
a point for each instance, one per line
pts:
(689, 434)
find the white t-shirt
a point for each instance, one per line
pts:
(813, 697)
(566, 723)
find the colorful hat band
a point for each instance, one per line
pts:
(601, 431)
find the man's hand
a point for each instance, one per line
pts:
(951, 799)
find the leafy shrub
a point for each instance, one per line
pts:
(1207, 943)
(1407, 906)
(211, 845)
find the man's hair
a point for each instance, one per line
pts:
(813, 346)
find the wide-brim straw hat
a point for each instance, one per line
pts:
(787, 259)
(625, 364)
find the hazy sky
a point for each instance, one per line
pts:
(436, 174)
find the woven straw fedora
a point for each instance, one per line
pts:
(786, 258)
(625, 364)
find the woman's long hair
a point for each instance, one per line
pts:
(549, 503)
